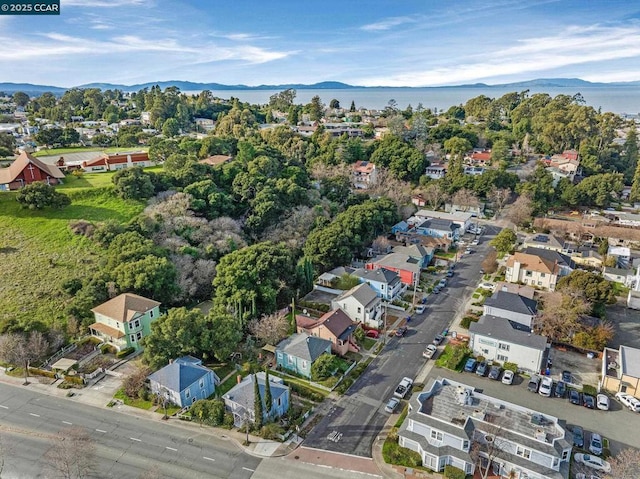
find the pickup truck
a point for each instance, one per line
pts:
(403, 388)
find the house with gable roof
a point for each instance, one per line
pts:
(386, 284)
(539, 268)
(364, 174)
(335, 325)
(118, 161)
(362, 305)
(564, 261)
(27, 169)
(440, 228)
(299, 351)
(124, 320)
(240, 400)
(184, 381)
(513, 307)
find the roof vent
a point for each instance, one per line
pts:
(540, 435)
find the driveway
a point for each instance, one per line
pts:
(354, 420)
(627, 322)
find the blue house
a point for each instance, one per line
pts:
(240, 399)
(439, 228)
(403, 227)
(184, 381)
(299, 351)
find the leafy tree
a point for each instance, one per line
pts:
(323, 367)
(597, 190)
(283, 100)
(49, 137)
(225, 333)
(635, 186)
(334, 104)
(499, 152)
(630, 153)
(70, 136)
(593, 286)
(171, 128)
(38, 195)
(21, 98)
(404, 161)
(209, 411)
(7, 144)
(133, 184)
(268, 398)
(315, 108)
(352, 108)
(151, 276)
(504, 241)
(257, 404)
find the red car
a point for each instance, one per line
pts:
(401, 331)
(372, 333)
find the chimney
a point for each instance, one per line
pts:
(170, 361)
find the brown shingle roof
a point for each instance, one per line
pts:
(337, 322)
(532, 262)
(7, 175)
(215, 160)
(123, 308)
(107, 330)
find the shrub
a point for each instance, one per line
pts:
(272, 431)
(467, 320)
(323, 367)
(125, 352)
(588, 389)
(452, 472)
(42, 372)
(510, 366)
(305, 392)
(453, 357)
(74, 380)
(393, 453)
(108, 349)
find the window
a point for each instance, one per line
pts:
(132, 337)
(139, 335)
(136, 323)
(465, 445)
(485, 351)
(359, 309)
(523, 452)
(542, 275)
(151, 313)
(193, 400)
(437, 435)
(565, 455)
(556, 461)
(202, 384)
(188, 394)
(504, 346)
(539, 283)
(279, 401)
(527, 273)
(304, 364)
(502, 358)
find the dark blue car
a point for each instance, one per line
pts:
(470, 365)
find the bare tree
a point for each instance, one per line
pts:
(381, 244)
(134, 382)
(499, 197)
(388, 185)
(625, 465)
(465, 199)
(434, 195)
(561, 313)
(72, 455)
(490, 262)
(520, 211)
(488, 444)
(270, 328)
(22, 350)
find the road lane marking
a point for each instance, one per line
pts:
(34, 415)
(247, 469)
(68, 423)
(208, 458)
(4, 407)
(101, 430)
(135, 439)
(171, 448)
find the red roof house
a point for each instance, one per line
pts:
(28, 169)
(118, 161)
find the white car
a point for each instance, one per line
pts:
(629, 401)
(602, 402)
(507, 377)
(634, 404)
(475, 242)
(545, 386)
(593, 462)
(489, 286)
(430, 351)
(595, 446)
(392, 405)
(420, 309)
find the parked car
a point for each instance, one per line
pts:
(595, 445)
(401, 331)
(588, 401)
(489, 286)
(507, 377)
(534, 383)
(392, 405)
(442, 283)
(420, 309)
(575, 397)
(438, 339)
(624, 398)
(430, 351)
(449, 274)
(593, 462)
(436, 290)
(468, 251)
(494, 373)
(403, 388)
(481, 370)
(372, 333)
(602, 402)
(634, 404)
(578, 436)
(561, 389)
(470, 365)
(481, 271)
(475, 242)
(545, 386)
(566, 377)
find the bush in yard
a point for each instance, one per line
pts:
(588, 389)
(124, 353)
(467, 320)
(272, 431)
(209, 411)
(453, 357)
(393, 453)
(452, 472)
(510, 367)
(323, 367)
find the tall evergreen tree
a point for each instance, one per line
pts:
(257, 404)
(635, 186)
(268, 398)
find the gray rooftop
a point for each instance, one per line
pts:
(243, 393)
(304, 346)
(562, 259)
(630, 361)
(512, 302)
(399, 261)
(179, 375)
(379, 275)
(439, 225)
(362, 293)
(505, 330)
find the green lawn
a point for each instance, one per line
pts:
(38, 251)
(66, 151)
(369, 343)
(87, 180)
(139, 403)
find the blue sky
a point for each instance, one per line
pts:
(361, 42)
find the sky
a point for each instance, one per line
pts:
(360, 42)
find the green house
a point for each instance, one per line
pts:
(298, 352)
(124, 320)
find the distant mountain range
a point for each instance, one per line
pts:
(328, 85)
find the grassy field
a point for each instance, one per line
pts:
(66, 151)
(38, 252)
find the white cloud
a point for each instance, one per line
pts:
(576, 45)
(388, 23)
(104, 3)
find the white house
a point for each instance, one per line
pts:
(464, 220)
(386, 284)
(364, 174)
(362, 305)
(498, 339)
(622, 255)
(513, 307)
(435, 172)
(450, 419)
(532, 270)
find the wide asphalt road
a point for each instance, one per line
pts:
(126, 446)
(355, 420)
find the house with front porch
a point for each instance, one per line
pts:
(335, 325)
(124, 320)
(362, 305)
(439, 228)
(449, 422)
(532, 270)
(184, 381)
(299, 351)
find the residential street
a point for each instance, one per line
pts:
(358, 417)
